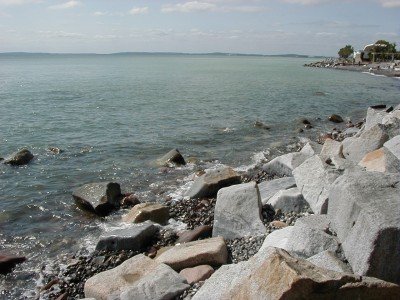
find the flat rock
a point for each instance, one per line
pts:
(283, 165)
(290, 200)
(137, 278)
(328, 260)
(381, 160)
(393, 145)
(155, 212)
(370, 140)
(22, 157)
(238, 212)
(314, 178)
(306, 238)
(8, 262)
(172, 157)
(270, 188)
(211, 251)
(203, 231)
(208, 184)
(365, 211)
(99, 198)
(196, 274)
(133, 238)
(274, 274)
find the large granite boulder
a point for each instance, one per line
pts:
(370, 140)
(393, 145)
(274, 274)
(211, 251)
(309, 236)
(331, 149)
(270, 188)
(290, 200)
(314, 178)
(148, 211)
(365, 211)
(381, 160)
(137, 278)
(374, 117)
(135, 238)
(172, 157)
(22, 157)
(99, 198)
(8, 262)
(238, 212)
(283, 165)
(208, 184)
(328, 260)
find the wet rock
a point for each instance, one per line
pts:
(393, 145)
(203, 252)
(55, 150)
(208, 184)
(365, 211)
(274, 274)
(98, 198)
(288, 200)
(335, 118)
(269, 188)
(378, 106)
(238, 212)
(261, 125)
(203, 231)
(314, 178)
(196, 274)
(137, 278)
(328, 260)
(372, 139)
(381, 160)
(308, 126)
(305, 121)
(172, 157)
(148, 211)
(133, 238)
(8, 262)
(22, 157)
(129, 200)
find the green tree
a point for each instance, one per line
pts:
(346, 51)
(385, 48)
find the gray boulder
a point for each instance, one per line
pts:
(328, 260)
(393, 145)
(365, 212)
(172, 157)
(238, 212)
(311, 148)
(135, 238)
(283, 165)
(314, 178)
(392, 123)
(208, 184)
(137, 278)
(309, 236)
(374, 117)
(381, 160)
(99, 198)
(370, 140)
(348, 132)
(22, 157)
(331, 149)
(290, 200)
(270, 188)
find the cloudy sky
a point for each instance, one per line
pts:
(314, 27)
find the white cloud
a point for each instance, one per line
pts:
(390, 3)
(61, 34)
(244, 9)
(18, 2)
(187, 7)
(100, 13)
(66, 5)
(139, 10)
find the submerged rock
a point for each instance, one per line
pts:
(99, 198)
(261, 125)
(22, 157)
(335, 118)
(8, 262)
(172, 157)
(55, 150)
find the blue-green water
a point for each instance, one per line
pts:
(114, 115)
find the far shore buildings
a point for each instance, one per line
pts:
(368, 54)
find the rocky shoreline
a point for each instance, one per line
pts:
(323, 221)
(381, 69)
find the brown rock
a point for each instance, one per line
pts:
(335, 119)
(204, 252)
(381, 160)
(129, 200)
(196, 274)
(278, 224)
(8, 262)
(275, 274)
(203, 231)
(147, 211)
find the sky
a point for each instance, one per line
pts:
(311, 27)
